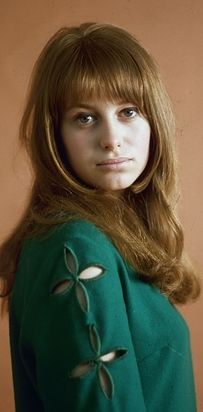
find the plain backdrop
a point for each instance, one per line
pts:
(173, 32)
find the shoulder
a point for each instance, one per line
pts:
(81, 238)
(75, 231)
(75, 256)
(79, 228)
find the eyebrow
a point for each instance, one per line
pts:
(80, 105)
(90, 106)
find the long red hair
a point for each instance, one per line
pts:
(105, 61)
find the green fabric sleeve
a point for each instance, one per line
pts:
(75, 340)
(87, 335)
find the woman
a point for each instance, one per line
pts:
(93, 270)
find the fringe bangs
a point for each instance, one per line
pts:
(101, 73)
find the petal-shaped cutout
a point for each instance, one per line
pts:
(106, 382)
(82, 369)
(111, 356)
(82, 296)
(91, 272)
(95, 339)
(108, 357)
(62, 286)
(70, 261)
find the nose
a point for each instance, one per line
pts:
(110, 135)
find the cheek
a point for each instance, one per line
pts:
(70, 141)
(74, 149)
(144, 143)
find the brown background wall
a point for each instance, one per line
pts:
(173, 32)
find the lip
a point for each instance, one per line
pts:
(117, 164)
(115, 161)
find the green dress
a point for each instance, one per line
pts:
(87, 335)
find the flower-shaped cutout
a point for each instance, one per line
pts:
(76, 280)
(99, 363)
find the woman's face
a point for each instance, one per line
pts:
(107, 144)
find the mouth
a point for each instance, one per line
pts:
(116, 161)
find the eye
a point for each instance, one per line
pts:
(84, 119)
(130, 112)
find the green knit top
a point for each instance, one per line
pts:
(87, 335)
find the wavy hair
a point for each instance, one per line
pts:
(106, 62)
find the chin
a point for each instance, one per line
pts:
(113, 188)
